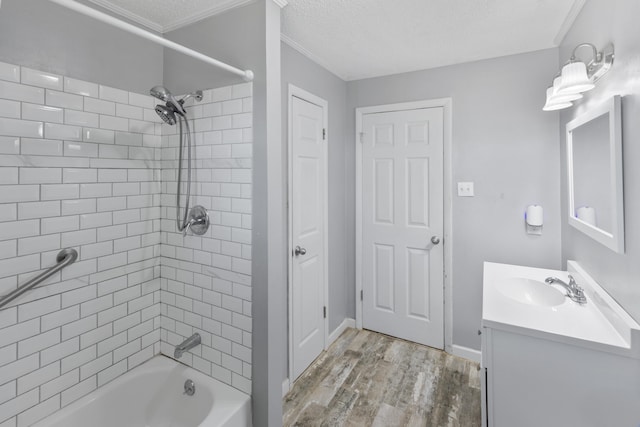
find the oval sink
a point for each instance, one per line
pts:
(532, 292)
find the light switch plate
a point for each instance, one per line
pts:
(465, 189)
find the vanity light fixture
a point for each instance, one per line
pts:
(578, 76)
(557, 101)
(553, 103)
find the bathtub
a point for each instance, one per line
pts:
(152, 395)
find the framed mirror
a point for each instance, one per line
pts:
(594, 165)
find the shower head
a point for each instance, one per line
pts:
(161, 92)
(166, 114)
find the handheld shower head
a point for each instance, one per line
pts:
(166, 114)
(161, 92)
(173, 106)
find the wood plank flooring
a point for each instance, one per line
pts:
(370, 379)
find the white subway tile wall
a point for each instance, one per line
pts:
(206, 280)
(91, 167)
(79, 167)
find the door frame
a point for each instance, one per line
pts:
(447, 241)
(294, 91)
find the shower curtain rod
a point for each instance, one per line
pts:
(107, 19)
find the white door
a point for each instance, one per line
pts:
(308, 175)
(402, 224)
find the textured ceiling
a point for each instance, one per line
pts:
(357, 39)
(366, 38)
(167, 15)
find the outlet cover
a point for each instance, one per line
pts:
(465, 189)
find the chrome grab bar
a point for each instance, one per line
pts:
(64, 258)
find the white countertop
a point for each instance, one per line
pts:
(600, 324)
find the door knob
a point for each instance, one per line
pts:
(300, 251)
(435, 240)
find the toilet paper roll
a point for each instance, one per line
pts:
(587, 214)
(534, 216)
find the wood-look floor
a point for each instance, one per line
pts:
(370, 379)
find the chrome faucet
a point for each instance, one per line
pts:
(574, 292)
(187, 345)
(197, 222)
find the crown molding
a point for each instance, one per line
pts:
(569, 21)
(281, 3)
(215, 10)
(296, 46)
(129, 15)
(178, 23)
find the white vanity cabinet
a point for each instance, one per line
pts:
(559, 365)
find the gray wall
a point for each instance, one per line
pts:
(306, 74)
(601, 22)
(235, 37)
(48, 37)
(249, 37)
(506, 144)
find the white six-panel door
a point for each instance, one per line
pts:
(402, 224)
(307, 228)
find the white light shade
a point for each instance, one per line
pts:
(574, 79)
(552, 104)
(558, 98)
(555, 107)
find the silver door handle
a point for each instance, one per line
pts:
(299, 251)
(435, 240)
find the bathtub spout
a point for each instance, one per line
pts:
(187, 345)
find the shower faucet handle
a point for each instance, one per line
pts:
(192, 222)
(198, 222)
(186, 229)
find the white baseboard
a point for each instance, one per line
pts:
(346, 323)
(467, 353)
(285, 387)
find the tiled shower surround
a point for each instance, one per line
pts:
(206, 280)
(87, 166)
